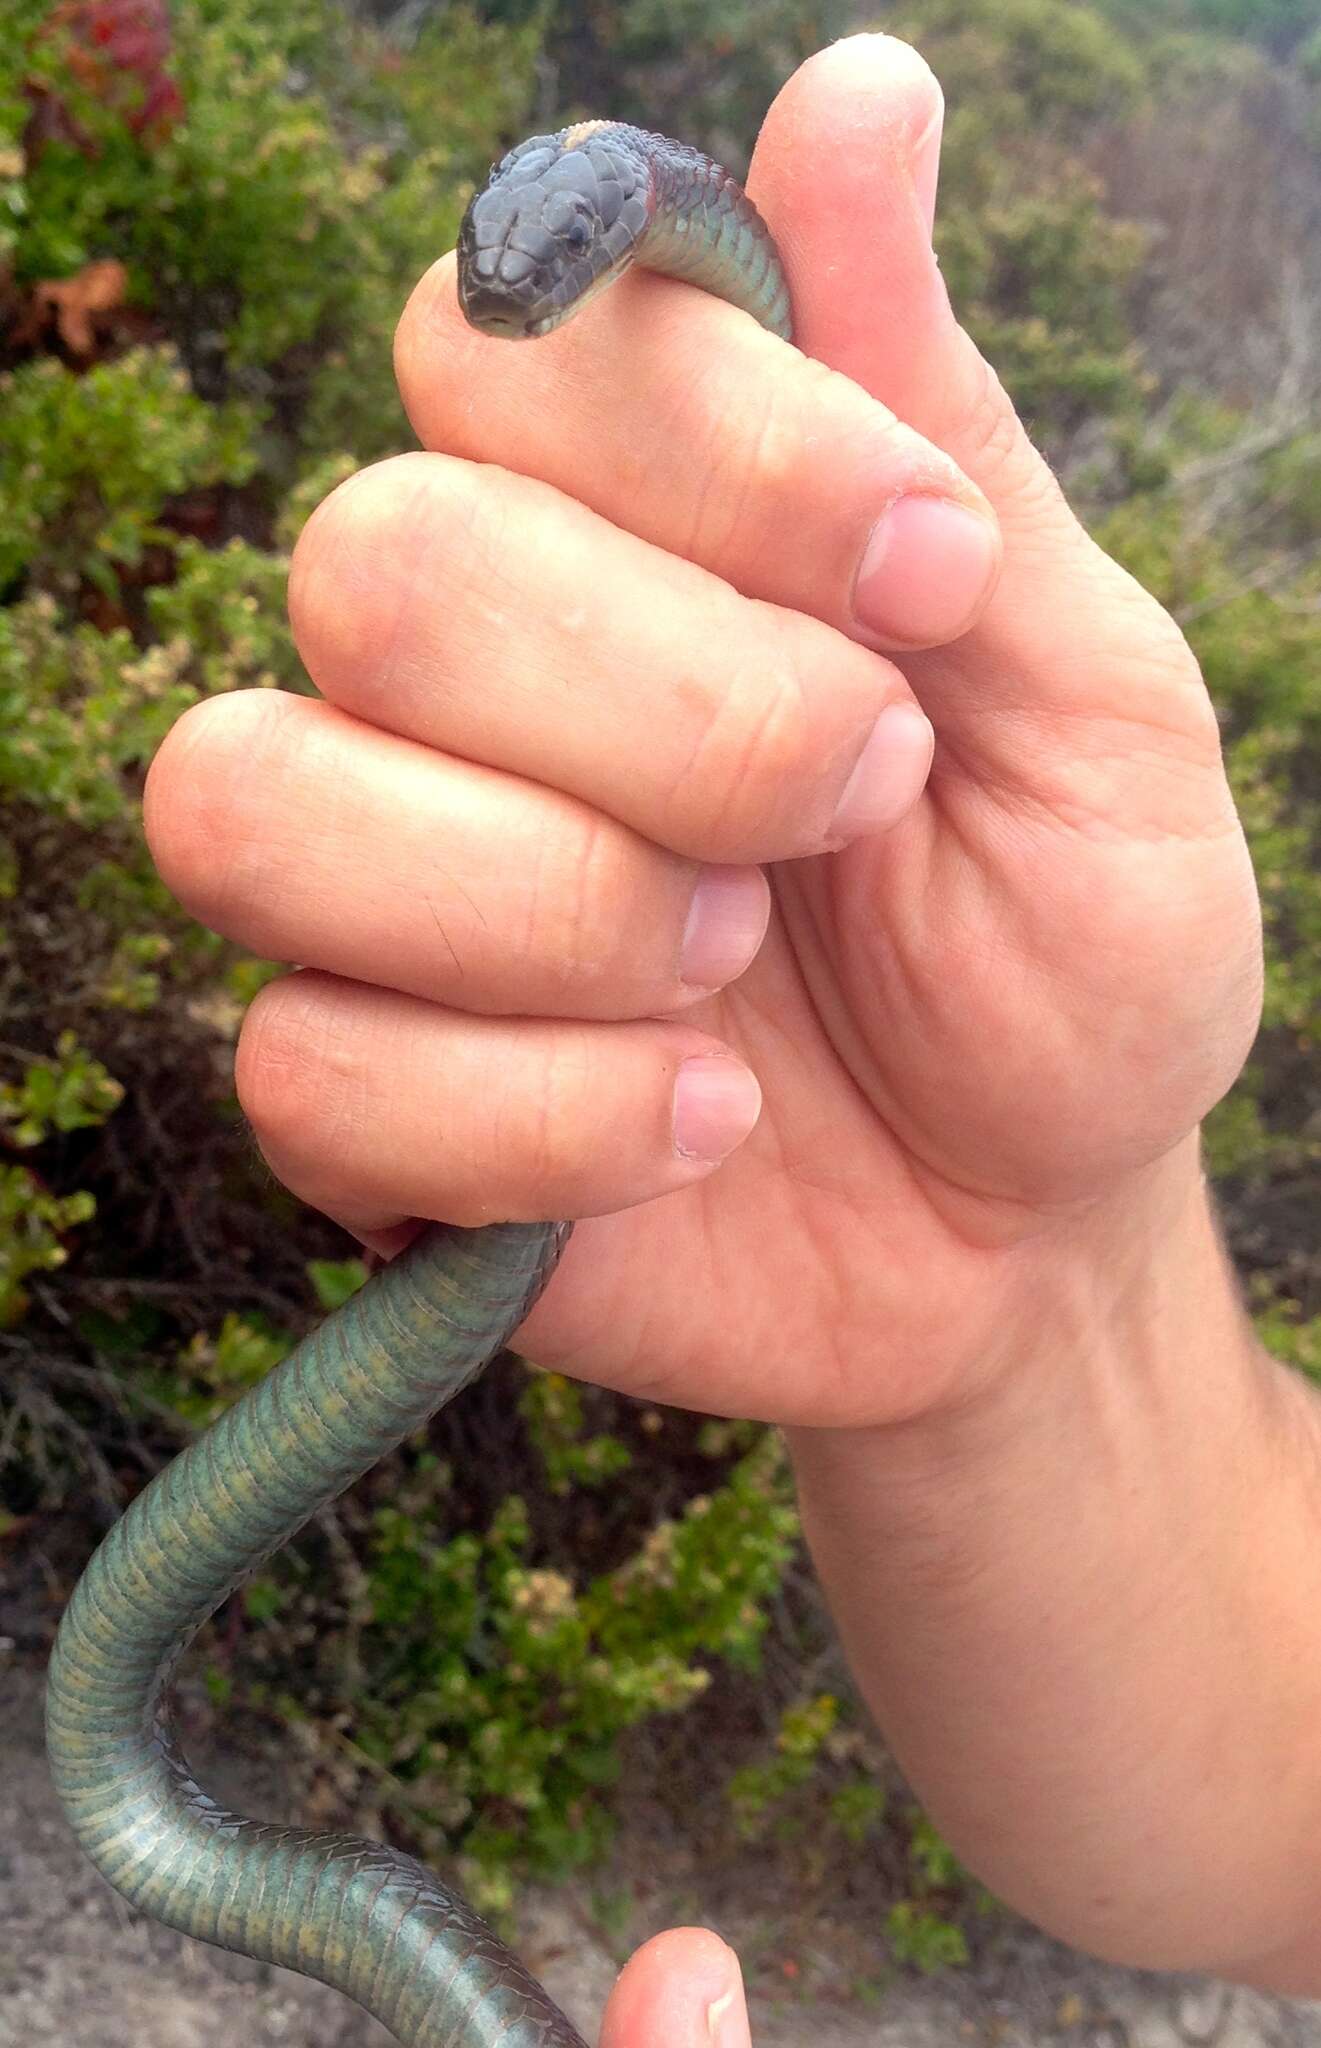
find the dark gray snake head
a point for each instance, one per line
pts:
(560, 217)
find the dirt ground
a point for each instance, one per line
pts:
(78, 1969)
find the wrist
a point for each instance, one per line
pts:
(1135, 1290)
(1051, 1590)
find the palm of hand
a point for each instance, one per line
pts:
(1033, 988)
(1036, 985)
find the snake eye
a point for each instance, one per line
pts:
(578, 233)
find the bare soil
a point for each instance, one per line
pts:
(79, 1969)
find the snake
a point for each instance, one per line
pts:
(561, 217)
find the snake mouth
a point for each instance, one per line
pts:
(504, 292)
(495, 312)
(513, 315)
(561, 217)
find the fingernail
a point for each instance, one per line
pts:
(890, 774)
(927, 566)
(727, 922)
(716, 1103)
(727, 2016)
(925, 166)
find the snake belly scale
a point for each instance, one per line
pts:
(560, 217)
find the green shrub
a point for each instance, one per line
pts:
(924, 1940)
(1253, 616)
(822, 1786)
(1038, 268)
(156, 468)
(502, 1716)
(260, 185)
(552, 1409)
(32, 1227)
(88, 463)
(68, 1093)
(490, 1690)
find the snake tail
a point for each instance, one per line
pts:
(358, 1915)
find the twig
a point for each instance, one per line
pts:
(1264, 441)
(1261, 579)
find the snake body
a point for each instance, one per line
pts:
(560, 217)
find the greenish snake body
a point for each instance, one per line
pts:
(560, 217)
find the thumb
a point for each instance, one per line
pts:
(683, 1989)
(845, 171)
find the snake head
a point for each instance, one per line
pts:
(559, 219)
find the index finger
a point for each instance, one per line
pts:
(677, 417)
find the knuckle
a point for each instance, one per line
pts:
(271, 1061)
(759, 731)
(517, 1141)
(989, 426)
(1172, 656)
(298, 1080)
(331, 526)
(758, 463)
(780, 736)
(990, 440)
(581, 900)
(546, 1143)
(783, 440)
(204, 780)
(345, 586)
(175, 777)
(428, 311)
(1180, 685)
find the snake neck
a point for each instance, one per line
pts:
(707, 231)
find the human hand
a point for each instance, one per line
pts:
(682, 1989)
(604, 632)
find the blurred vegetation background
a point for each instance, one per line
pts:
(211, 213)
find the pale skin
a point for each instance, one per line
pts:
(609, 633)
